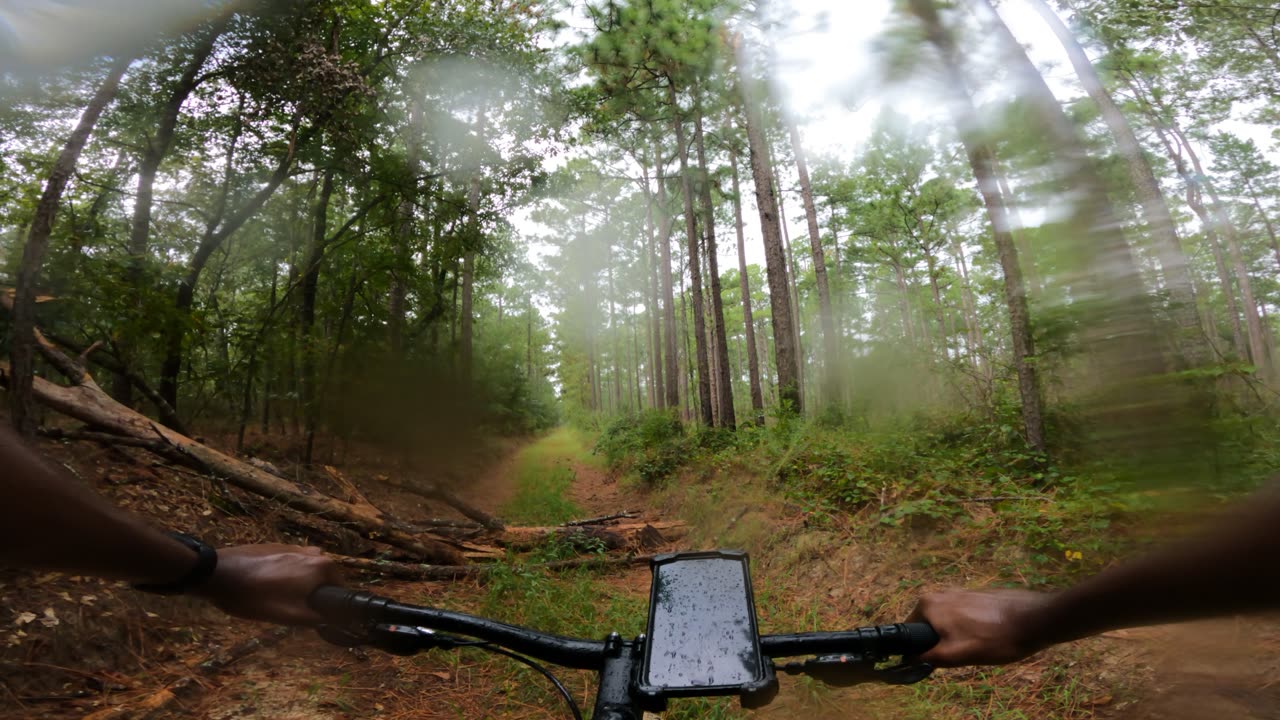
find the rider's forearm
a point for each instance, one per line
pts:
(48, 520)
(1224, 570)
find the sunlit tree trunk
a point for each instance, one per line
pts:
(22, 406)
(793, 275)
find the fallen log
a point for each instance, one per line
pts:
(88, 403)
(614, 537)
(413, 571)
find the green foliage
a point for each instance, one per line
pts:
(653, 444)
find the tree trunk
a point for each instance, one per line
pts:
(725, 416)
(826, 318)
(775, 263)
(981, 159)
(1227, 230)
(154, 152)
(1123, 334)
(657, 390)
(215, 235)
(695, 268)
(793, 276)
(307, 311)
(1164, 233)
(671, 376)
(753, 358)
(22, 338)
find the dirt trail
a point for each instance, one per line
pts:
(304, 678)
(1224, 670)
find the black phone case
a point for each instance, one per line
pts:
(752, 694)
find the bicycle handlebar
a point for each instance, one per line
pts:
(341, 606)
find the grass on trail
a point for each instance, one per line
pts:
(544, 473)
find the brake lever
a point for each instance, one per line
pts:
(847, 670)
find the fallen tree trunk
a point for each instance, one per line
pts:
(432, 491)
(614, 537)
(412, 571)
(88, 403)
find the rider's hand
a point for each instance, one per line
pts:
(982, 627)
(269, 582)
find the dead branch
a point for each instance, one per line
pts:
(411, 571)
(625, 514)
(109, 363)
(83, 359)
(151, 705)
(432, 491)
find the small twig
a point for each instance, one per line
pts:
(625, 514)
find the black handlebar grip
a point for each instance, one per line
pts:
(335, 604)
(918, 638)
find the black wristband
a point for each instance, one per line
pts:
(206, 563)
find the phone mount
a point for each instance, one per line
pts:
(702, 637)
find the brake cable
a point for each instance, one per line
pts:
(411, 640)
(564, 692)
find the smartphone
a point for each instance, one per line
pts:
(702, 637)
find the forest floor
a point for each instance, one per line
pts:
(82, 648)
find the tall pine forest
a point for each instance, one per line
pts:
(1013, 248)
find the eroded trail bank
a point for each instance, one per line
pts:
(101, 652)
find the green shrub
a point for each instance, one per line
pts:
(652, 443)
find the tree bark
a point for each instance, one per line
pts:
(775, 263)
(695, 267)
(753, 358)
(671, 375)
(22, 339)
(657, 389)
(725, 416)
(307, 310)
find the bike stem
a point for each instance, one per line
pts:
(614, 700)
